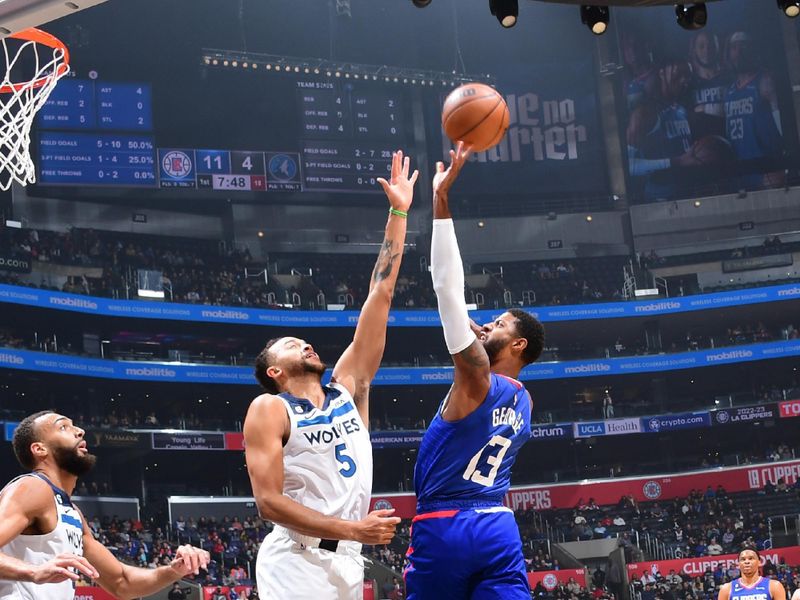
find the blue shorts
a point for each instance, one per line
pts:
(471, 554)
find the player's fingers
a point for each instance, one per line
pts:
(396, 164)
(194, 563)
(384, 184)
(406, 166)
(414, 176)
(66, 574)
(85, 567)
(383, 512)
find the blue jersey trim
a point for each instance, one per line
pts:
(330, 394)
(327, 419)
(65, 499)
(444, 504)
(70, 520)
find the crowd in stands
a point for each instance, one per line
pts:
(204, 271)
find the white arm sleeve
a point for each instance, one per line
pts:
(447, 272)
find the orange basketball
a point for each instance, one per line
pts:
(475, 114)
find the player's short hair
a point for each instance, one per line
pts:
(263, 362)
(750, 547)
(26, 434)
(531, 329)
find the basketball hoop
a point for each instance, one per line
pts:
(47, 58)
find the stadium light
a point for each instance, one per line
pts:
(790, 8)
(596, 18)
(693, 16)
(506, 11)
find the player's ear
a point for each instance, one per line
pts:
(519, 345)
(39, 450)
(274, 372)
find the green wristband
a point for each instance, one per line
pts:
(399, 213)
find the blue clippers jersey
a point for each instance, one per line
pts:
(671, 136)
(758, 591)
(749, 123)
(471, 459)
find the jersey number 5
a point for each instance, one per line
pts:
(493, 452)
(349, 468)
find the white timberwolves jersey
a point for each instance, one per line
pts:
(327, 460)
(66, 538)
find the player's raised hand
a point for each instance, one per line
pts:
(57, 569)
(378, 528)
(189, 560)
(400, 188)
(443, 179)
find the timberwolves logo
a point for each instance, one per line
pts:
(282, 167)
(652, 490)
(723, 416)
(655, 425)
(549, 582)
(177, 164)
(382, 505)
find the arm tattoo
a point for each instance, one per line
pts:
(385, 263)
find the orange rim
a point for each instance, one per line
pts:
(39, 37)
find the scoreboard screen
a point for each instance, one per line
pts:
(91, 104)
(96, 159)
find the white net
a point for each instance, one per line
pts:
(19, 101)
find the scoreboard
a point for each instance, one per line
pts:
(91, 104)
(226, 170)
(311, 134)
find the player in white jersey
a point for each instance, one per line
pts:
(44, 539)
(307, 445)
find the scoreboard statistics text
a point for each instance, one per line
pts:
(93, 132)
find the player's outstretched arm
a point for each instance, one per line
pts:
(360, 361)
(265, 429)
(126, 582)
(22, 504)
(471, 380)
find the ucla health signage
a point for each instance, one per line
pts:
(608, 427)
(691, 420)
(11, 358)
(412, 318)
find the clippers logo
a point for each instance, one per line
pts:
(382, 505)
(549, 582)
(652, 490)
(177, 164)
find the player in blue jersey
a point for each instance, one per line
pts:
(659, 134)
(752, 116)
(751, 585)
(464, 542)
(707, 87)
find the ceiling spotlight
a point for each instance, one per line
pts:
(595, 18)
(693, 16)
(790, 8)
(420, 3)
(506, 11)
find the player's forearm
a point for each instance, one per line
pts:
(441, 205)
(306, 521)
(387, 266)
(447, 272)
(13, 569)
(136, 582)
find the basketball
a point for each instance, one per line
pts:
(475, 114)
(713, 150)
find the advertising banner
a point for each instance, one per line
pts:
(234, 440)
(11, 358)
(16, 263)
(104, 438)
(691, 420)
(729, 416)
(789, 409)
(551, 431)
(188, 441)
(697, 566)
(396, 439)
(85, 592)
(400, 318)
(609, 491)
(550, 579)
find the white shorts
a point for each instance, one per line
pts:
(290, 566)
